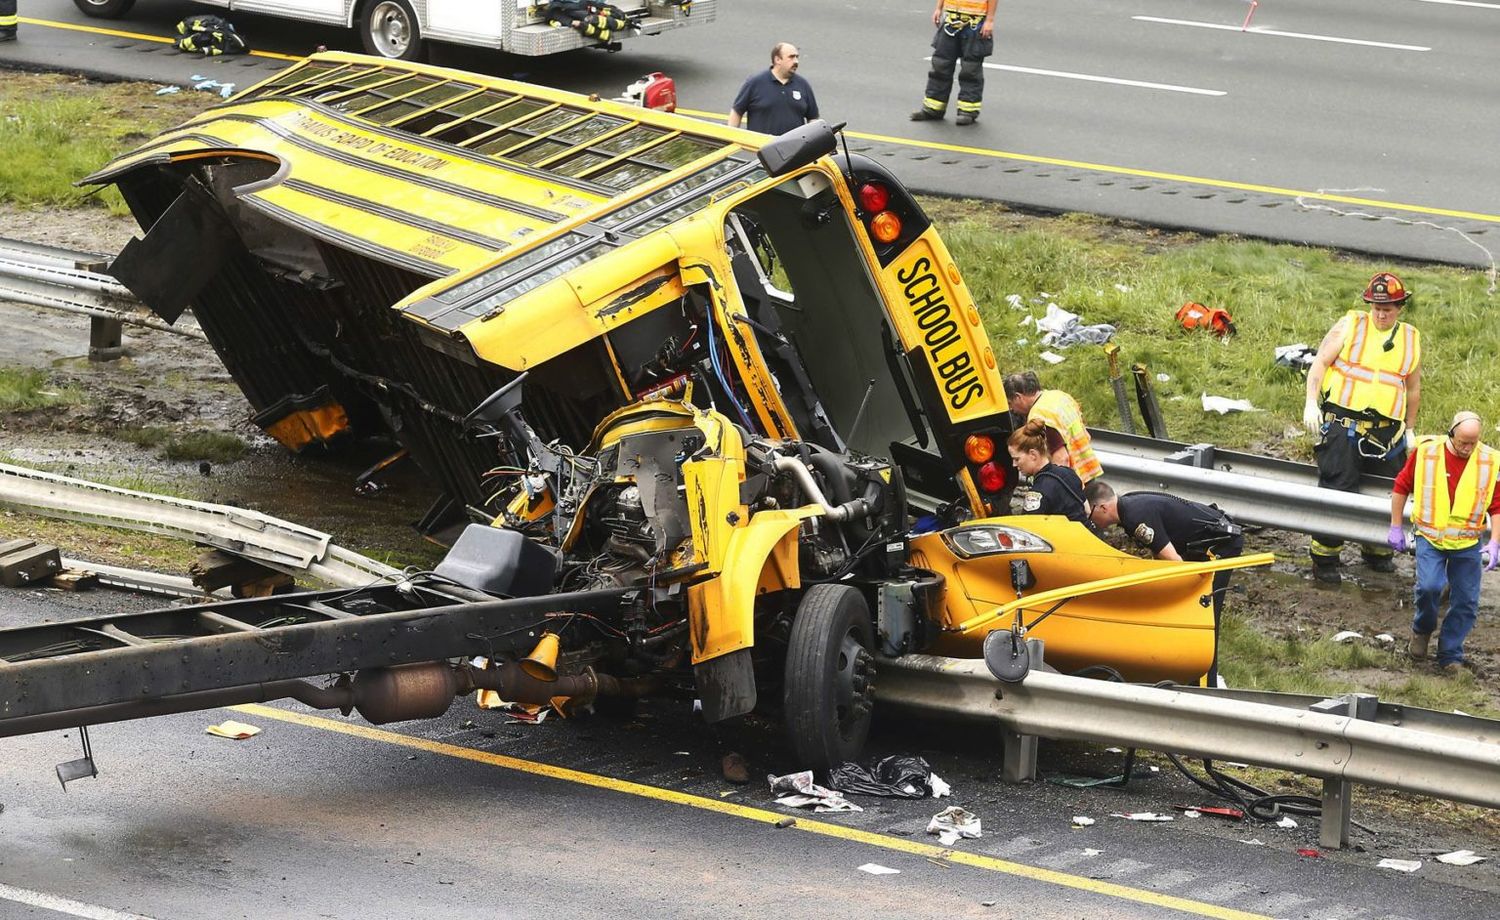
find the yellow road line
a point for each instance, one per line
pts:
(759, 815)
(138, 36)
(1152, 174)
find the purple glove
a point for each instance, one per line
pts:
(1491, 555)
(1396, 539)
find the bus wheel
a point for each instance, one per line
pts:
(389, 29)
(104, 9)
(830, 677)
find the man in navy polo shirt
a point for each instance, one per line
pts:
(775, 100)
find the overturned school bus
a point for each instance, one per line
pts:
(690, 383)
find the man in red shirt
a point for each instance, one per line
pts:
(1452, 482)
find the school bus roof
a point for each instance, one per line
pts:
(445, 173)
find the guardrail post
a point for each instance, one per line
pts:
(1018, 754)
(1338, 794)
(105, 339)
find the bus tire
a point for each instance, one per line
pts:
(389, 29)
(104, 9)
(830, 677)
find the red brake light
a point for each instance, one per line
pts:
(991, 477)
(886, 227)
(874, 197)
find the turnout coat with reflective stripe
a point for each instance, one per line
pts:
(1460, 523)
(1366, 376)
(1059, 411)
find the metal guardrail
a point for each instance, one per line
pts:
(1116, 443)
(1447, 756)
(270, 541)
(71, 282)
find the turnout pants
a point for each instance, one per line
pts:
(1344, 455)
(1458, 570)
(966, 51)
(7, 17)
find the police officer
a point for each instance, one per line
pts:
(1054, 489)
(965, 32)
(1363, 389)
(8, 20)
(1172, 528)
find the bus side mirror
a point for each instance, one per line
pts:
(799, 147)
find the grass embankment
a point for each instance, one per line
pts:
(56, 129)
(23, 389)
(1278, 294)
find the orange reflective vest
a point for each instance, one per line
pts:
(967, 7)
(1460, 523)
(1367, 376)
(1059, 411)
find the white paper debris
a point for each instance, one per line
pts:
(1015, 301)
(235, 731)
(1057, 319)
(1224, 405)
(1461, 858)
(1090, 851)
(168, 90)
(1140, 816)
(1114, 750)
(1347, 635)
(1286, 822)
(801, 792)
(1021, 342)
(878, 869)
(1122, 288)
(1253, 841)
(1163, 378)
(1386, 639)
(1192, 813)
(1082, 821)
(1028, 320)
(1051, 357)
(952, 823)
(938, 786)
(1401, 865)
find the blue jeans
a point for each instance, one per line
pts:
(1459, 571)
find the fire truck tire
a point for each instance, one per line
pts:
(104, 9)
(389, 29)
(830, 677)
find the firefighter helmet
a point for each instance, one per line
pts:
(1386, 288)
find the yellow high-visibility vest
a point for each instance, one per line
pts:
(1460, 523)
(1367, 376)
(966, 7)
(1060, 412)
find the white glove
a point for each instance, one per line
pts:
(1312, 419)
(1411, 440)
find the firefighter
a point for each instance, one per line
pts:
(1068, 441)
(8, 20)
(1172, 528)
(965, 33)
(1363, 389)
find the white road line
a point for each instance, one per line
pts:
(1256, 30)
(1483, 6)
(65, 905)
(1068, 75)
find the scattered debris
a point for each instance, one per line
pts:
(1140, 816)
(952, 823)
(899, 776)
(1286, 822)
(786, 823)
(1193, 315)
(1015, 301)
(1224, 405)
(1461, 858)
(1400, 865)
(235, 731)
(1310, 852)
(1122, 288)
(799, 791)
(1064, 329)
(1218, 811)
(1297, 357)
(1347, 635)
(1163, 378)
(168, 90)
(733, 768)
(1386, 639)
(1090, 851)
(1082, 821)
(1254, 842)
(1191, 813)
(878, 869)
(1052, 357)
(940, 789)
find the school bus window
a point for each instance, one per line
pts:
(376, 94)
(627, 175)
(630, 140)
(680, 151)
(586, 131)
(578, 164)
(296, 76)
(552, 120)
(676, 190)
(342, 84)
(473, 127)
(536, 280)
(471, 105)
(465, 290)
(499, 143)
(405, 108)
(537, 152)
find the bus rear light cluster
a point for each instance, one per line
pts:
(875, 198)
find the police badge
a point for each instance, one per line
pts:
(1144, 534)
(1032, 502)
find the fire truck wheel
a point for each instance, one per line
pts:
(389, 28)
(104, 9)
(830, 677)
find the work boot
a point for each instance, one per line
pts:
(925, 114)
(1417, 647)
(1381, 563)
(965, 118)
(1327, 571)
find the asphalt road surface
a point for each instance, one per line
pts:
(1364, 124)
(470, 815)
